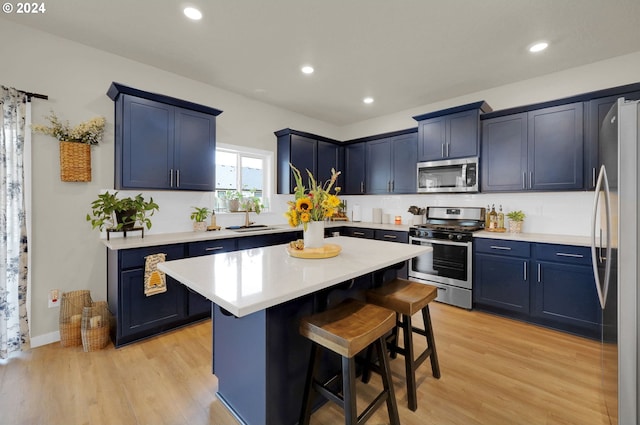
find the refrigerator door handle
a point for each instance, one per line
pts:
(607, 256)
(594, 257)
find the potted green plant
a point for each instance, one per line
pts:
(515, 221)
(113, 213)
(199, 215)
(233, 200)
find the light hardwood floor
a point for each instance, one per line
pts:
(494, 371)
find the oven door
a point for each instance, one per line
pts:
(449, 262)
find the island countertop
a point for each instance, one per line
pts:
(247, 281)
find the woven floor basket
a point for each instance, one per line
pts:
(71, 308)
(75, 162)
(95, 326)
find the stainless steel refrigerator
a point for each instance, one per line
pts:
(614, 250)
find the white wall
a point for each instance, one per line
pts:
(66, 253)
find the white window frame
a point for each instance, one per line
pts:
(267, 158)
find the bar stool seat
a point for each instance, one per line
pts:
(407, 298)
(348, 329)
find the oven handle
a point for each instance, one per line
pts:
(438, 241)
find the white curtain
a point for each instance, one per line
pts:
(14, 327)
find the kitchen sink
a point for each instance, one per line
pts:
(251, 228)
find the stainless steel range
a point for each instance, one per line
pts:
(449, 231)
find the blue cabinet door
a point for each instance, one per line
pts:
(378, 160)
(502, 283)
(555, 148)
(194, 150)
(140, 313)
(405, 157)
(449, 136)
(354, 158)
(330, 155)
(503, 163)
(432, 137)
(565, 295)
(145, 154)
(164, 147)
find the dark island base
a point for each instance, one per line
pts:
(261, 359)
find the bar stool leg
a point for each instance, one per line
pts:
(349, 390)
(409, 362)
(431, 342)
(307, 399)
(387, 382)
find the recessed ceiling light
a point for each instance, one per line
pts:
(307, 69)
(367, 100)
(192, 13)
(538, 47)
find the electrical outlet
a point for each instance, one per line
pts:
(54, 298)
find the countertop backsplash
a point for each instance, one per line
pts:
(564, 213)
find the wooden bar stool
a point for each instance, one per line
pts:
(347, 329)
(406, 298)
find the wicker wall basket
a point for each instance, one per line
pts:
(71, 309)
(75, 162)
(95, 326)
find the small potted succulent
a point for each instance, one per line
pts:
(199, 215)
(515, 221)
(113, 213)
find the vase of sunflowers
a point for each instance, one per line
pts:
(313, 206)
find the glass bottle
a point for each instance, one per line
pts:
(487, 218)
(500, 219)
(493, 218)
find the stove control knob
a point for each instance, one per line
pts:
(451, 236)
(459, 237)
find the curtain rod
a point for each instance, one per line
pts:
(36, 95)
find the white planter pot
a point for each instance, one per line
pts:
(199, 226)
(314, 235)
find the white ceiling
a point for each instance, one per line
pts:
(404, 53)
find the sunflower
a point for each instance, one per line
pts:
(303, 204)
(305, 217)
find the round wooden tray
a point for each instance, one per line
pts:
(327, 251)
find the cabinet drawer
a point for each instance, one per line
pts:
(503, 247)
(197, 249)
(134, 258)
(356, 232)
(392, 236)
(563, 253)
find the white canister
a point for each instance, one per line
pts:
(386, 218)
(356, 213)
(377, 215)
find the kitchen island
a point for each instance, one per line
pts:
(258, 296)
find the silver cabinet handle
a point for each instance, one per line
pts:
(539, 272)
(447, 150)
(530, 179)
(504, 248)
(361, 187)
(393, 185)
(358, 233)
(214, 248)
(390, 237)
(177, 178)
(171, 177)
(565, 254)
(524, 180)
(442, 150)
(524, 263)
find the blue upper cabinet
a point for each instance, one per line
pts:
(391, 164)
(306, 152)
(540, 149)
(450, 133)
(162, 143)
(354, 171)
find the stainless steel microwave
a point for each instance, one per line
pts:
(448, 176)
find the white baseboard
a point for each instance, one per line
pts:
(45, 339)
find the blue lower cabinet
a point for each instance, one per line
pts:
(548, 284)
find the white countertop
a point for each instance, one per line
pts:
(135, 240)
(247, 281)
(536, 237)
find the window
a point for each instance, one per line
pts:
(241, 172)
